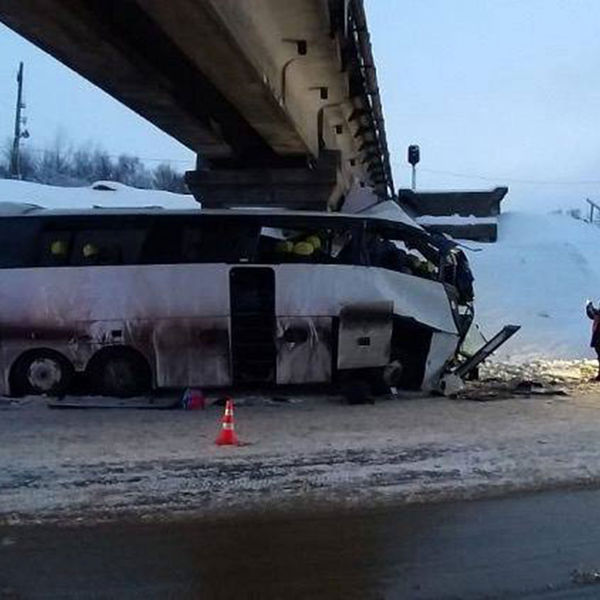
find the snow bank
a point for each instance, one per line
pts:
(538, 275)
(106, 194)
(456, 220)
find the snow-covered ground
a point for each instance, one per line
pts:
(75, 465)
(538, 275)
(117, 196)
(456, 220)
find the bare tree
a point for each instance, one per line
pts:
(55, 165)
(5, 159)
(82, 164)
(131, 171)
(28, 162)
(102, 167)
(64, 166)
(166, 178)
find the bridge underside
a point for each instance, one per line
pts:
(275, 97)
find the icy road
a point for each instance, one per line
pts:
(86, 465)
(534, 546)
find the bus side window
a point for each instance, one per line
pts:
(18, 241)
(193, 250)
(220, 243)
(163, 244)
(55, 248)
(108, 247)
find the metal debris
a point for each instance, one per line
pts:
(495, 389)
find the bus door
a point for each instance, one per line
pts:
(252, 299)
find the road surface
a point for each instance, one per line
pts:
(66, 464)
(520, 547)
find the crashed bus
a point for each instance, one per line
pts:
(138, 299)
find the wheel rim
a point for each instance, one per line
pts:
(44, 374)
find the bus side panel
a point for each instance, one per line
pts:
(322, 290)
(64, 295)
(309, 291)
(192, 352)
(365, 335)
(304, 349)
(152, 308)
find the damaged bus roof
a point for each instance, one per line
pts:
(257, 216)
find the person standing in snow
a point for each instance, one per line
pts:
(594, 314)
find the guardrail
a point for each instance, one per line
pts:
(593, 207)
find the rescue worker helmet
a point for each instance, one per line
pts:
(90, 250)
(304, 249)
(58, 248)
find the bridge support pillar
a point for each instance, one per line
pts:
(296, 188)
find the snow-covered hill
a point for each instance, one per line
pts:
(539, 275)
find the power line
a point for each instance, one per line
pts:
(507, 179)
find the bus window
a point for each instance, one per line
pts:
(55, 248)
(163, 244)
(107, 247)
(17, 242)
(309, 246)
(220, 242)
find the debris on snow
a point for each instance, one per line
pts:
(585, 577)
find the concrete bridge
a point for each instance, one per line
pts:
(279, 99)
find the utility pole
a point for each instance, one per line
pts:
(15, 157)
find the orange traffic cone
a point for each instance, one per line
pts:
(227, 436)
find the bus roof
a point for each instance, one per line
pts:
(12, 209)
(268, 217)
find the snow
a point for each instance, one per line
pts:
(538, 275)
(456, 220)
(118, 196)
(75, 465)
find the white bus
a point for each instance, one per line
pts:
(135, 299)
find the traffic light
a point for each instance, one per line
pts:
(414, 154)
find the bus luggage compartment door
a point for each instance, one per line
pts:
(304, 352)
(252, 299)
(365, 335)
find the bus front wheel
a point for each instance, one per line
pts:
(120, 372)
(41, 372)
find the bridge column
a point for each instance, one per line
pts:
(310, 187)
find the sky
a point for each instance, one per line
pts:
(495, 92)
(501, 91)
(61, 105)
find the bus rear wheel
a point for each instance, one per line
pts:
(41, 372)
(120, 372)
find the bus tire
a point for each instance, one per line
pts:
(42, 371)
(119, 371)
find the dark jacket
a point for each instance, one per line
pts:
(594, 314)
